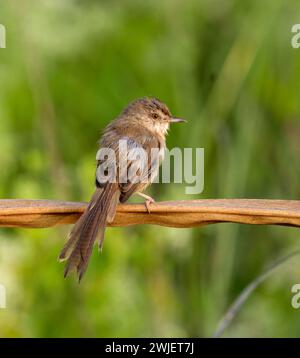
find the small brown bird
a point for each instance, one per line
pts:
(143, 126)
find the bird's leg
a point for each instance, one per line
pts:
(148, 201)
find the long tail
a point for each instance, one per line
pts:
(100, 210)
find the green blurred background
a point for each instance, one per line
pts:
(228, 67)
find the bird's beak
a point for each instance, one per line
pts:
(176, 120)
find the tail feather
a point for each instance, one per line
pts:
(79, 247)
(99, 227)
(77, 228)
(113, 207)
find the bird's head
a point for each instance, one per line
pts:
(151, 113)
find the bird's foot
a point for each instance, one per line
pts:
(148, 200)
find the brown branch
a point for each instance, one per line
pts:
(48, 213)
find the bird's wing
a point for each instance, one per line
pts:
(142, 165)
(134, 163)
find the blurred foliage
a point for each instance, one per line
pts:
(226, 66)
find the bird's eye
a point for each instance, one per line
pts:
(155, 115)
